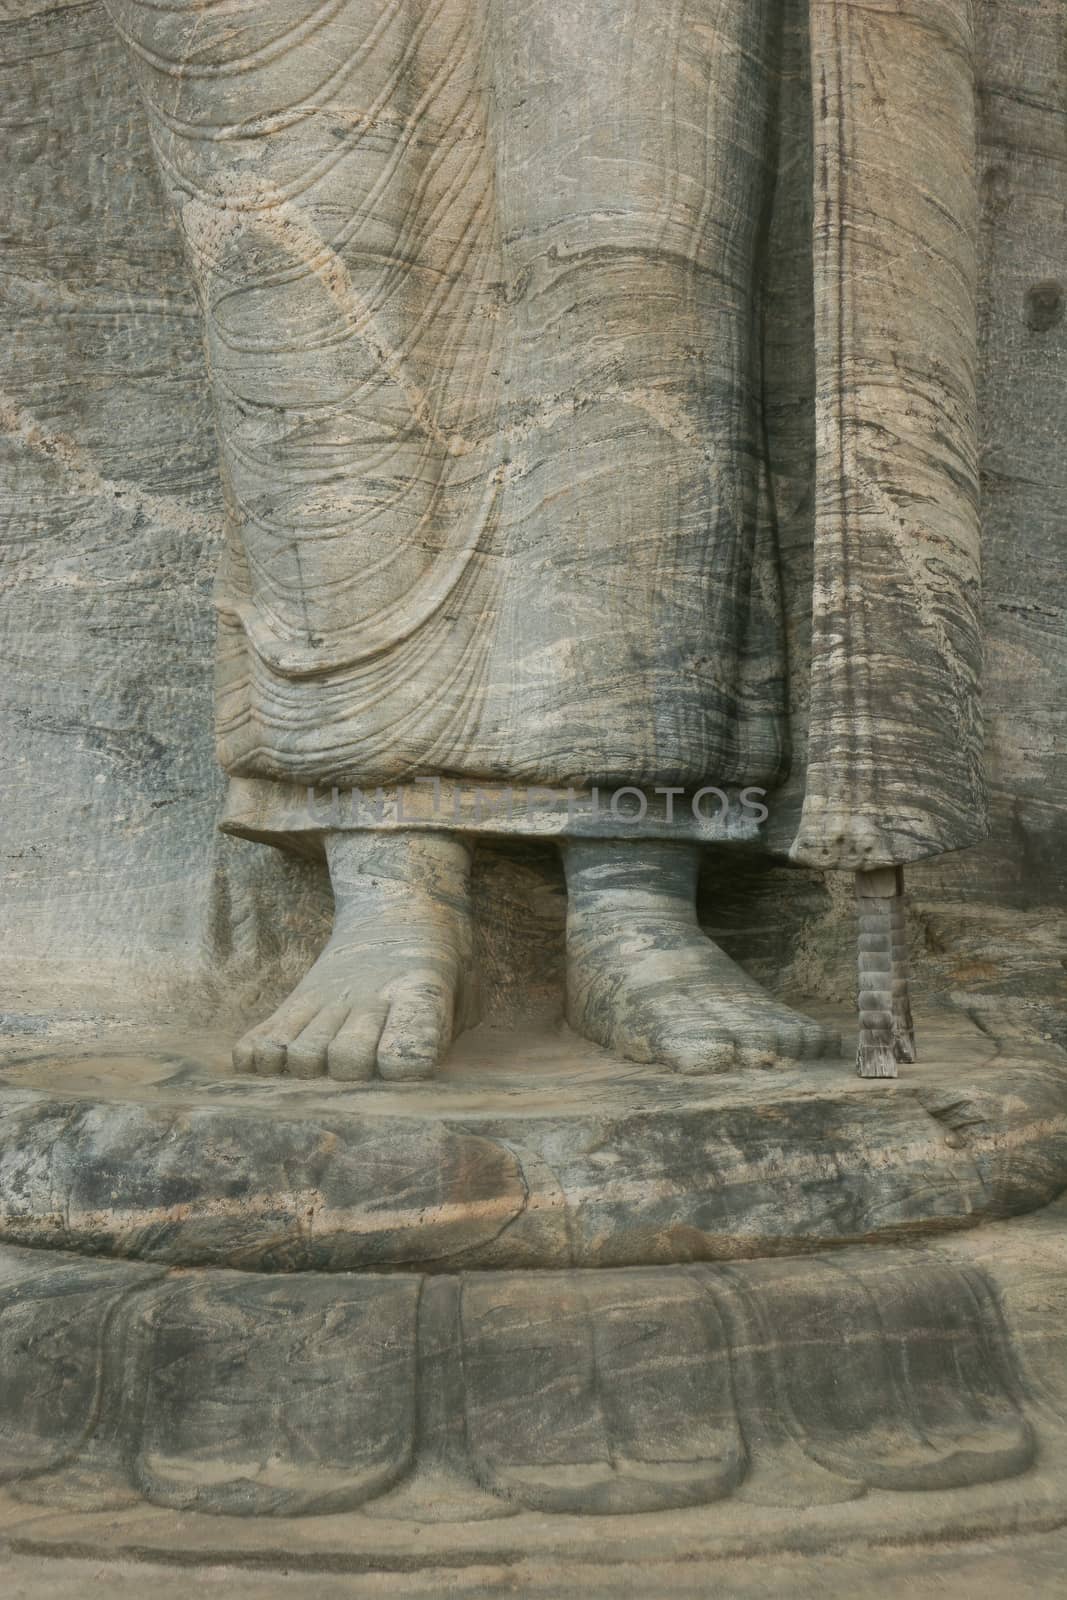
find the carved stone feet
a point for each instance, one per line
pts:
(393, 986)
(645, 981)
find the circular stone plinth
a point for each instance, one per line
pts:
(530, 1150)
(750, 1404)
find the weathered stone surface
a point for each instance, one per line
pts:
(770, 1384)
(227, 1186)
(599, 1393)
(260, 1395)
(532, 1150)
(1029, 1564)
(896, 469)
(116, 897)
(116, 894)
(925, 1402)
(62, 1327)
(490, 517)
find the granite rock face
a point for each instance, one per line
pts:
(523, 1155)
(796, 1293)
(581, 1393)
(724, 1332)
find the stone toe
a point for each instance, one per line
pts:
(692, 1059)
(789, 1038)
(416, 1033)
(264, 1050)
(353, 1051)
(306, 1056)
(757, 1058)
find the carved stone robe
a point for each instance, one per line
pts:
(595, 393)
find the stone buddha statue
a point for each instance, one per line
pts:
(586, 424)
(595, 395)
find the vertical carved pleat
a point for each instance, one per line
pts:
(894, 768)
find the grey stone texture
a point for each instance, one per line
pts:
(756, 1406)
(526, 1152)
(1029, 1565)
(553, 1307)
(526, 328)
(112, 866)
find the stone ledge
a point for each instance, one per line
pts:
(484, 1395)
(534, 1151)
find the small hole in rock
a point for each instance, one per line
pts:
(1043, 307)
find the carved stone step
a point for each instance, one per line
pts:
(531, 1150)
(582, 1392)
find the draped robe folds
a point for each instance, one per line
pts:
(594, 383)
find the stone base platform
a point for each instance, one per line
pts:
(531, 1150)
(878, 1396)
(232, 1330)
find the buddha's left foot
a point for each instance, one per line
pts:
(646, 982)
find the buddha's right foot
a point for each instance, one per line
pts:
(392, 987)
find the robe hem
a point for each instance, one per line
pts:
(296, 816)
